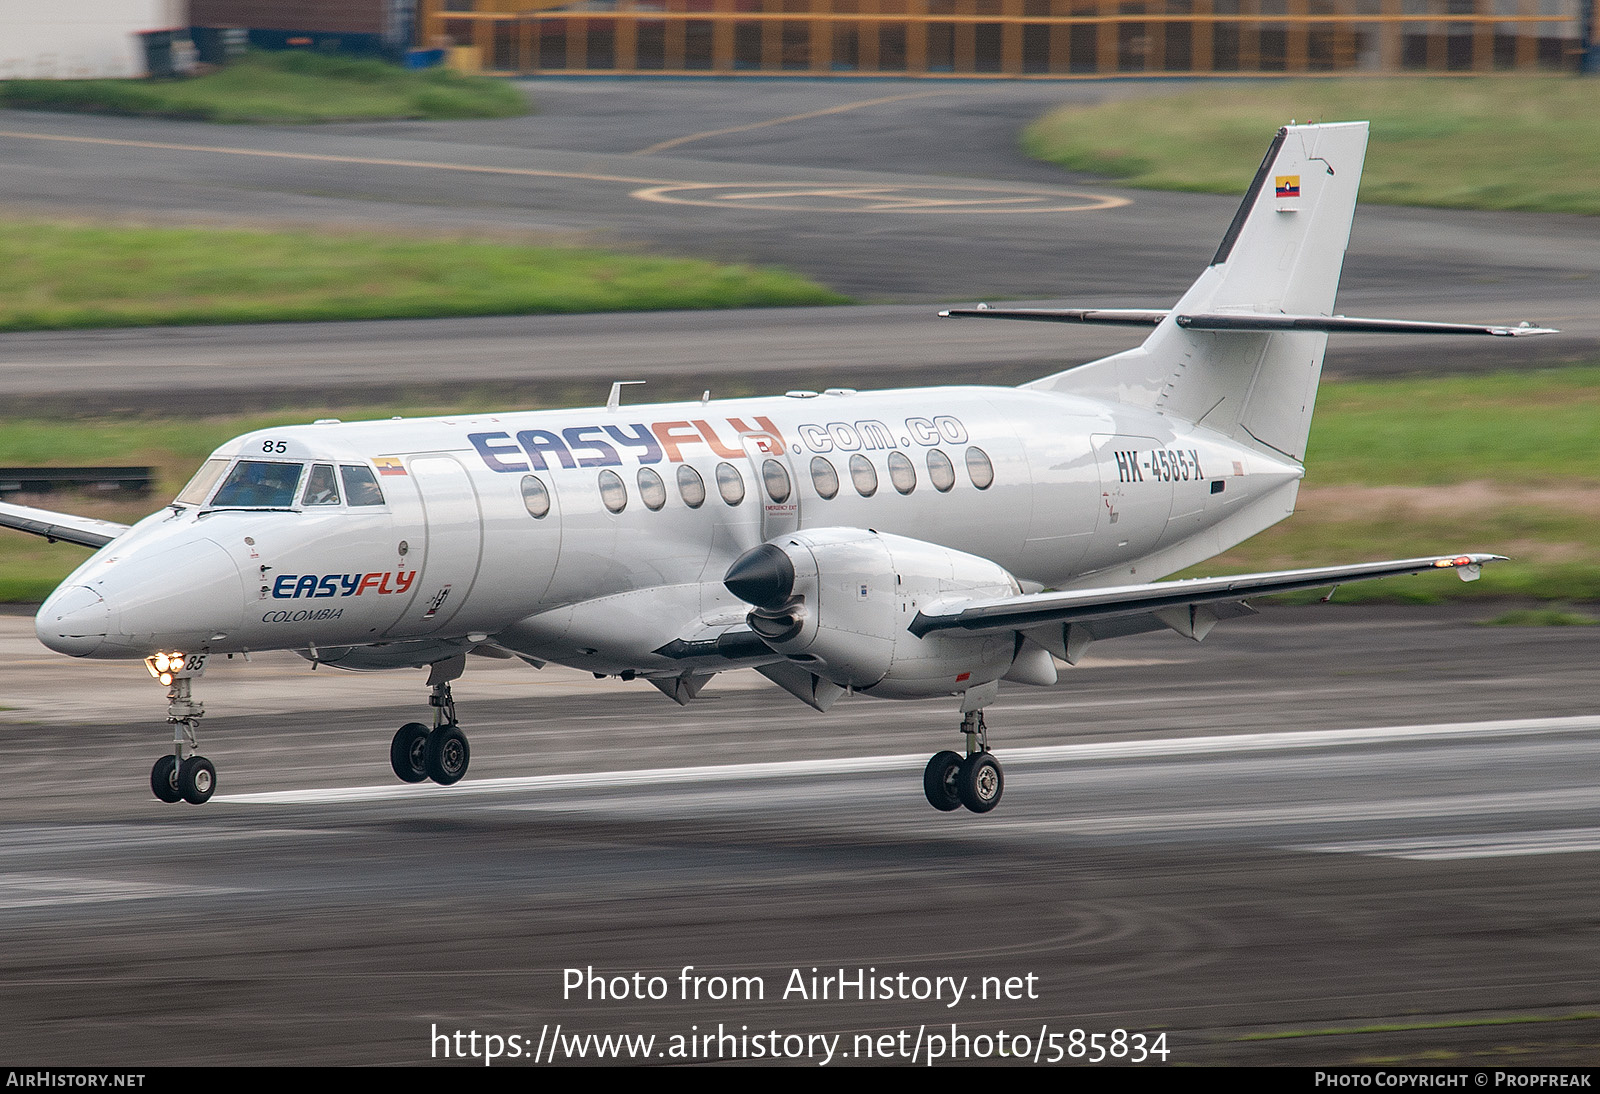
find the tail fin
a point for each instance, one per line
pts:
(1281, 255)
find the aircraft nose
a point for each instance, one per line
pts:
(73, 621)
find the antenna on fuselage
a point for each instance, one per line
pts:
(615, 400)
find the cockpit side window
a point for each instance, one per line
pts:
(360, 486)
(321, 487)
(204, 479)
(259, 484)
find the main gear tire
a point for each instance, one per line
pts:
(941, 781)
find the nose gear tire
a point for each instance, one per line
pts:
(164, 779)
(197, 780)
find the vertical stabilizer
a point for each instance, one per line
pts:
(1282, 254)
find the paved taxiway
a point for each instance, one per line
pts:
(1162, 858)
(892, 192)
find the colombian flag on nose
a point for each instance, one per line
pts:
(1288, 185)
(388, 465)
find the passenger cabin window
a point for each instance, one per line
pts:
(979, 468)
(259, 484)
(776, 478)
(864, 475)
(691, 486)
(613, 492)
(730, 484)
(652, 491)
(360, 485)
(535, 496)
(321, 487)
(941, 472)
(824, 477)
(901, 473)
(204, 479)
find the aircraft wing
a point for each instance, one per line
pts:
(1245, 321)
(1190, 606)
(84, 531)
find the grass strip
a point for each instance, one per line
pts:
(1541, 617)
(55, 276)
(281, 88)
(1505, 142)
(1405, 468)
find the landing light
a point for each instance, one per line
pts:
(163, 666)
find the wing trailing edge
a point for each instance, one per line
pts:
(1167, 603)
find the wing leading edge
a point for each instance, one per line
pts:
(63, 527)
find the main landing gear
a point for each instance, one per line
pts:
(975, 781)
(441, 753)
(183, 775)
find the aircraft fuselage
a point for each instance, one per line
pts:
(591, 537)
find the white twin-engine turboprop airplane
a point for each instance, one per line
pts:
(894, 543)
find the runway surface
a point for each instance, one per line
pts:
(1321, 821)
(893, 192)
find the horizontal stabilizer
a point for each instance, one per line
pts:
(1158, 598)
(84, 531)
(1243, 321)
(1122, 317)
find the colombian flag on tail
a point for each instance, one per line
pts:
(1288, 185)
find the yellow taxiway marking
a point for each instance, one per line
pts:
(842, 108)
(886, 198)
(323, 157)
(847, 197)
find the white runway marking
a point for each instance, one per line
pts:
(49, 890)
(1052, 754)
(1556, 841)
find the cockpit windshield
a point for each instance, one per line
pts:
(259, 484)
(199, 486)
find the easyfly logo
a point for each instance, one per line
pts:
(603, 445)
(322, 586)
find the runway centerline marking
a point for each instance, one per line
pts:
(842, 108)
(879, 197)
(856, 765)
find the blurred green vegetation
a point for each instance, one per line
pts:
(1496, 142)
(85, 275)
(281, 88)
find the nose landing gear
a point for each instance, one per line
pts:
(441, 753)
(951, 781)
(183, 774)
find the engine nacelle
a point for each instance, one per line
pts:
(839, 601)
